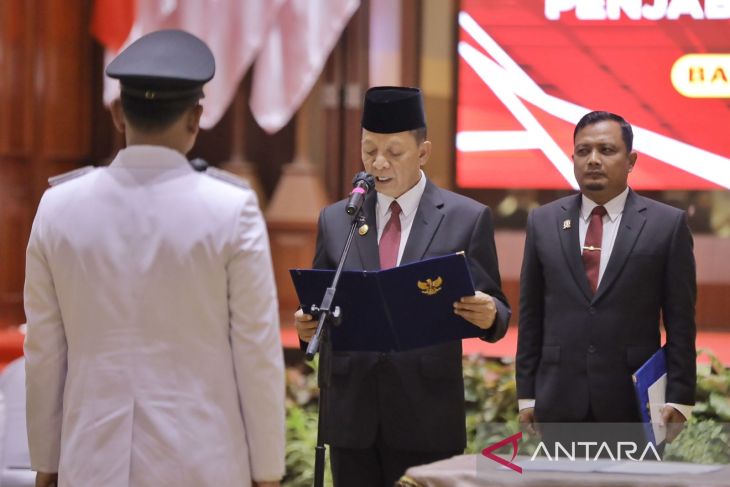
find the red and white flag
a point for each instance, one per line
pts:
(111, 21)
(233, 29)
(293, 57)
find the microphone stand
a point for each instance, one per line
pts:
(327, 317)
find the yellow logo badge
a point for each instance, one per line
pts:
(429, 287)
(702, 75)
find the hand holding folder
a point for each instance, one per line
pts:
(401, 308)
(650, 384)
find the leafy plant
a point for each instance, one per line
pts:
(701, 442)
(705, 439)
(713, 389)
(490, 393)
(302, 395)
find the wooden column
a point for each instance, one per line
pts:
(16, 130)
(411, 14)
(45, 120)
(238, 164)
(294, 209)
(345, 82)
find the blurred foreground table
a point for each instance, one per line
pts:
(461, 471)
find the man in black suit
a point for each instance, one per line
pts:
(590, 318)
(391, 411)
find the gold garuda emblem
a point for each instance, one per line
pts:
(429, 287)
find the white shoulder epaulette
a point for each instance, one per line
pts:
(228, 177)
(68, 176)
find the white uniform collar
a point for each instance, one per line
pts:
(150, 156)
(614, 207)
(408, 201)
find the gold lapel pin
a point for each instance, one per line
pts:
(363, 230)
(566, 224)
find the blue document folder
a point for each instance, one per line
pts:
(650, 384)
(401, 308)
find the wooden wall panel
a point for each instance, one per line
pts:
(713, 306)
(356, 58)
(292, 247)
(411, 13)
(711, 313)
(333, 122)
(63, 80)
(16, 138)
(16, 213)
(45, 120)
(16, 90)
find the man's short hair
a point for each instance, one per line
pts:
(420, 134)
(594, 117)
(155, 115)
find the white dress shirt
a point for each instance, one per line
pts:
(611, 223)
(408, 203)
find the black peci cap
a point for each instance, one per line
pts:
(391, 109)
(163, 65)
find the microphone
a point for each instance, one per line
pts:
(362, 184)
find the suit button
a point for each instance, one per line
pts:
(591, 311)
(591, 349)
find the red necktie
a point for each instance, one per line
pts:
(390, 240)
(592, 246)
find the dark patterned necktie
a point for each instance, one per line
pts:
(592, 246)
(390, 240)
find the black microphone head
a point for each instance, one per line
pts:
(363, 177)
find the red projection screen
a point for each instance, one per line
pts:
(529, 69)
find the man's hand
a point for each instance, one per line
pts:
(527, 420)
(479, 310)
(44, 479)
(267, 484)
(674, 421)
(306, 326)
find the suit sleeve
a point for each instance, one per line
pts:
(256, 343)
(483, 253)
(45, 355)
(529, 338)
(678, 313)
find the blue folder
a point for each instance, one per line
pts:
(651, 374)
(401, 308)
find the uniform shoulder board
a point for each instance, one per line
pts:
(228, 177)
(68, 176)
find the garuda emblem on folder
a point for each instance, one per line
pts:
(429, 287)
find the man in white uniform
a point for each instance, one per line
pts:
(153, 349)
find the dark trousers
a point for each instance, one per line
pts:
(379, 465)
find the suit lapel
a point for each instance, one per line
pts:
(426, 222)
(367, 245)
(632, 222)
(570, 243)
